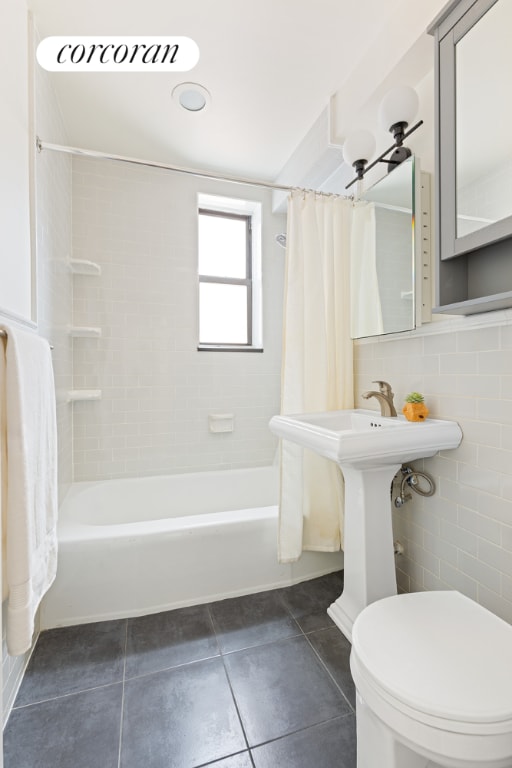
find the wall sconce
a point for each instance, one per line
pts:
(397, 110)
(357, 151)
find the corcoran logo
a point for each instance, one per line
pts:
(117, 54)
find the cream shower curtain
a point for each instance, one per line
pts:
(317, 369)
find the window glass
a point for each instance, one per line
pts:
(222, 246)
(223, 313)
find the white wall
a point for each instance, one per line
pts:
(15, 148)
(157, 390)
(53, 247)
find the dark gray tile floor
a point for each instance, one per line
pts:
(261, 681)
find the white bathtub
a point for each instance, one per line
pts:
(137, 546)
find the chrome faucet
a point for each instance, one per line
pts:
(384, 396)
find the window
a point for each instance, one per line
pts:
(228, 285)
(225, 289)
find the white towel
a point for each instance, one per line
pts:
(30, 511)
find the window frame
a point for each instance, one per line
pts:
(248, 281)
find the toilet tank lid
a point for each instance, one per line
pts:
(440, 653)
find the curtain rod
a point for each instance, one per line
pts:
(177, 169)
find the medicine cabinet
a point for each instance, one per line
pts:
(474, 156)
(390, 254)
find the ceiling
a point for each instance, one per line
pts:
(270, 66)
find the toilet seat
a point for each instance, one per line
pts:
(438, 658)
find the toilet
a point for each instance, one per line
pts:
(433, 675)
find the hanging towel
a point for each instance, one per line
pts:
(29, 482)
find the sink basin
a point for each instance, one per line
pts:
(370, 449)
(362, 438)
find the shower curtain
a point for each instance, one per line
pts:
(317, 368)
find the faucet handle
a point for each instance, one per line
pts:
(384, 387)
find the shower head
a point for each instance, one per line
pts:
(281, 239)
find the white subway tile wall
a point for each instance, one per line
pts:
(54, 297)
(460, 538)
(140, 226)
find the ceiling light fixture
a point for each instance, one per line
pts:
(397, 110)
(192, 96)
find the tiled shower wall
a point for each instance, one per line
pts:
(54, 295)
(460, 538)
(140, 226)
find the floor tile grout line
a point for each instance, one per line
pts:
(287, 608)
(235, 702)
(221, 654)
(228, 680)
(172, 667)
(297, 621)
(324, 665)
(66, 695)
(121, 719)
(301, 730)
(215, 762)
(264, 643)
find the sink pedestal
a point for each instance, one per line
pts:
(369, 561)
(370, 449)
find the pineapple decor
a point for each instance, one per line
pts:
(414, 408)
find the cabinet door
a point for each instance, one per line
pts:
(474, 154)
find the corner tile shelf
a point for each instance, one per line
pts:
(84, 267)
(74, 395)
(84, 332)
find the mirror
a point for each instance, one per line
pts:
(473, 157)
(483, 63)
(383, 255)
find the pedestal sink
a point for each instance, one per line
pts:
(370, 449)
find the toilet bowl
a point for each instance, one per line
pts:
(433, 675)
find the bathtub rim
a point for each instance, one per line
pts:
(71, 531)
(70, 523)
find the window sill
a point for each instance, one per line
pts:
(227, 348)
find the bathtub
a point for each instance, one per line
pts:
(137, 546)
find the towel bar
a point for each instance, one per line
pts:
(3, 335)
